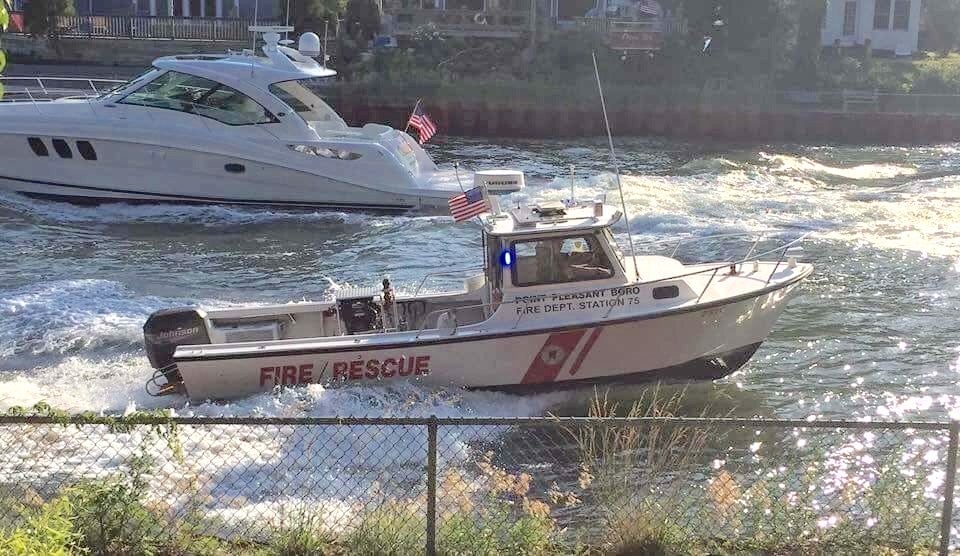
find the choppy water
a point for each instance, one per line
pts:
(875, 334)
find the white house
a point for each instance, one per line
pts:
(892, 25)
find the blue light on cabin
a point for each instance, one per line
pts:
(506, 258)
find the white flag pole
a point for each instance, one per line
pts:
(415, 106)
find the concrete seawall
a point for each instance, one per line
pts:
(501, 120)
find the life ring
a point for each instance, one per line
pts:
(480, 19)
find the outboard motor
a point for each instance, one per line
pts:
(168, 328)
(360, 314)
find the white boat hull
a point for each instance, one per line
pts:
(132, 172)
(181, 164)
(703, 342)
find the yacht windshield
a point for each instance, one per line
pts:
(305, 97)
(196, 95)
(120, 86)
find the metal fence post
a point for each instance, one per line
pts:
(432, 486)
(947, 518)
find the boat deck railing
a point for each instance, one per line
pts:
(787, 249)
(45, 89)
(41, 91)
(452, 272)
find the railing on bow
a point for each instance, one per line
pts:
(452, 272)
(787, 249)
(156, 27)
(40, 91)
(753, 238)
(45, 89)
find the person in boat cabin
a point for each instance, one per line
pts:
(561, 259)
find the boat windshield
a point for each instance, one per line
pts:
(149, 72)
(200, 96)
(556, 260)
(305, 97)
(615, 247)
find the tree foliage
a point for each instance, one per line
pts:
(309, 15)
(747, 22)
(40, 16)
(4, 16)
(363, 19)
(810, 14)
(4, 21)
(943, 25)
(700, 14)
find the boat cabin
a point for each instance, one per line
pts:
(283, 90)
(552, 245)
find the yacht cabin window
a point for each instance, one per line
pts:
(557, 260)
(305, 97)
(204, 97)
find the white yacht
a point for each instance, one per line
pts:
(232, 128)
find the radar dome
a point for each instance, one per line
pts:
(309, 45)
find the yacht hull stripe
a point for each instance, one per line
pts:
(169, 197)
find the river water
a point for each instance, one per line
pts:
(876, 333)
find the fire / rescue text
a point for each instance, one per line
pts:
(289, 375)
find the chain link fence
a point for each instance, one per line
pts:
(475, 486)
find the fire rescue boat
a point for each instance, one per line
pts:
(556, 304)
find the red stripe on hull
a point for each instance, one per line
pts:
(591, 339)
(546, 365)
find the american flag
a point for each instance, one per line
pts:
(650, 8)
(421, 122)
(469, 204)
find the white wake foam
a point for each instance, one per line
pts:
(70, 315)
(920, 215)
(803, 166)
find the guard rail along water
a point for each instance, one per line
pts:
(481, 485)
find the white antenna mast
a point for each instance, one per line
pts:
(325, 25)
(616, 166)
(256, 8)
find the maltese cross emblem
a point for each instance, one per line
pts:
(553, 355)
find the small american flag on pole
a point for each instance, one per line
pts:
(420, 121)
(469, 204)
